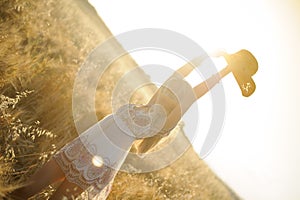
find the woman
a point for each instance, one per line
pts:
(91, 161)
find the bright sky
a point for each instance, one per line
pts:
(258, 152)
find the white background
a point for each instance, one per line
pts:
(258, 152)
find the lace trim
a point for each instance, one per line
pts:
(77, 164)
(141, 121)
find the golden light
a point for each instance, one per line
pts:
(247, 155)
(97, 161)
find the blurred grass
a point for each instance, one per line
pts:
(42, 45)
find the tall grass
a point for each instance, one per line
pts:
(23, 147)
(42, 45)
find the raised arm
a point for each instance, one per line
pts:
(242, 64)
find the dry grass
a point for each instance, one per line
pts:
(42, 44)
(23, 146)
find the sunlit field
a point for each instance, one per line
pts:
(259, 145)
(42, 45)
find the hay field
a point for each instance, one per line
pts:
(42, 45)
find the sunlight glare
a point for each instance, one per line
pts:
(97, 161)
